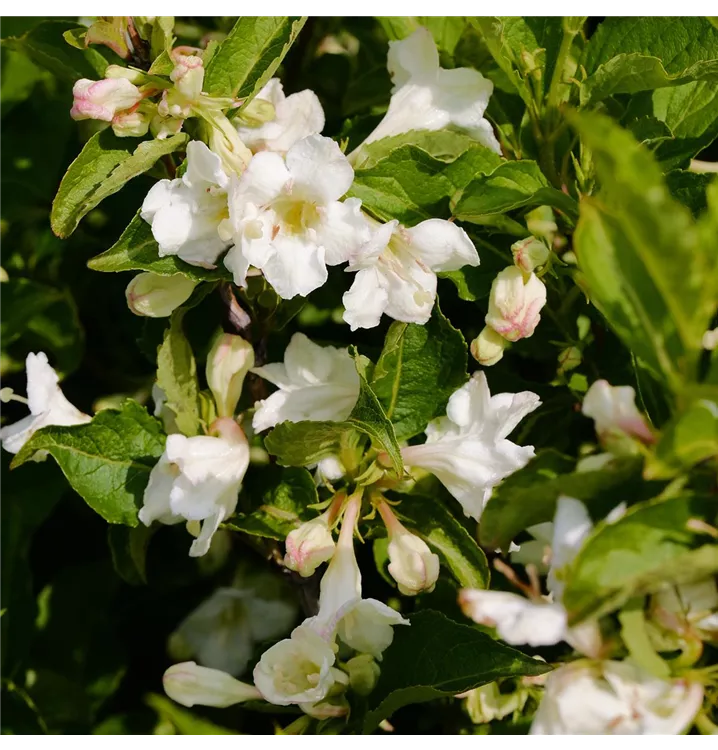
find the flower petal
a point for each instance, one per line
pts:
(442, 246)
(320, 171)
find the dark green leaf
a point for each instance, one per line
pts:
(129, 551)
(183, 721)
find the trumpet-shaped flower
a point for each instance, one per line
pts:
(315, 383)
(614, 697)
(185, 213)
(286, 218)
(396, 271)
(515, 304)
(468, 450)
(428, 97)
(198, 479)
(613, 409)
(189, 684)
(295, 117)
(47, 404)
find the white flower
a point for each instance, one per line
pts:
(310, 545)
(366, 625)
(185, 213)
(412, 564)
(228, 362)
(198, 479)
(297, 670)
(615, 698)
(189, 684)
(221, 632)
(102, 100)
(488, 347)
(47, 404)
(468, 450)
(613, 409)
(157, 296)
(315, 383)
(286, 218)
(428, 97)
(515, 304)
(689, 606)
(295, 117)
(537, 550)
(396, 271)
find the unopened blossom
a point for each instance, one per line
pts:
(366, 625)
(103, 100)
(396, 271)
(189, 685)
(228, 362)
(157, 296)
(515, 304)
(529, 254)
(314, 383)
(613, 409)
(198, 479)
(297, 670)
(412, 564)
(612, 697)
(468, 450)
(310, 545)
(295, 117)
(47, 404)
(363, 673)
(428, 97)
(185, 213)
(287, 220)
(488, 347)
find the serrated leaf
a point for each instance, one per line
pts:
(512, 185)
(250, 55)
(689, 188)
(284, 505)
(419, 368)
(107, 461)
(643, 551)
(105, 164)
(435, 657)
(137, 250)
(177, 376)
(529, 495)
(459, 551)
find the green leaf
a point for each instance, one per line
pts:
(689, 188)
(529, 495)
(177, 376)
(512, 185)
(137, 250)
(104, 165)
(643, 261)
(128, 547)
(458, 550)
(107, 461)
(414, 176)
(688, 439)
(285, 502)
(630, 73)
(45, 46)
(250, 55)
(183, 721)
(643, 551)
(435, 657)
(419, 368)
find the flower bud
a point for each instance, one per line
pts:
(101, 100)
(529, 254)
(310, 545)
(515, 304)
(541, 223)
(488, 347)
(119, 71)
(188, 76)
(133, 122)
(189, 684)
(363, 673)
(157, 296)
(412, 564)
(228, 362)
(613, 409)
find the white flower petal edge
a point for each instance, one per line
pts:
(468, 450)
(47, 404)
(295, 117)
(315, 383)
(428, 97)
(396, 271)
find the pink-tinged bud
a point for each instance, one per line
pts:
(157, 296)
(412, 564)
(529, 254)
(613, 409)
(515, 304)
(228, 362)
(189, 684)
(488, 347)
(310, 545)
(101, 100)
(188, 76)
